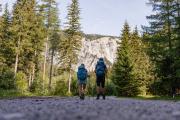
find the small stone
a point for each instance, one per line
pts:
(176, 113)
(13, 116)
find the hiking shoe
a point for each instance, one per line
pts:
(97, 98)
(104, 97)
(83, 97)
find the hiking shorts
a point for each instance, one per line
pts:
(100, 81)
(80, 82)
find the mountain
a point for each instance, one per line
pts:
(96, 46)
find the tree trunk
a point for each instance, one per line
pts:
(33, 68)
(51, 69)
(44, 65)
(16, 64)
(30, 77)
(69, 82)
(17, 58)
(33, 74)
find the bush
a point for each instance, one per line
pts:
(7, 79)
(161, 87)
(60, 88)
(74, 87)
(91, 86)
(110, 88)
(21, 82)
(37, 85)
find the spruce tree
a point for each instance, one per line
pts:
(19, 32)
(54, 41)
(143, 67)
(6, 43)
(162, 40)
(72, 44)
(28, 36)
(53, 36)
(36, 32)
(177, 50)
(123, 75)
(6, 52)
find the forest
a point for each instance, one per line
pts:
(31, 40)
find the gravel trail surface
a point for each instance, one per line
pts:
(71, 108)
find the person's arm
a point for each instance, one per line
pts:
(77, 76)
(95, 69)
(87, 73)
(106, 71)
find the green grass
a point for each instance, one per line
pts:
(151, 97)
(13, 94)
(8, 94)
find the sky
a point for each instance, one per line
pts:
(105, 17)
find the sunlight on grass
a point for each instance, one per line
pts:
(14, 94)
(152, 97)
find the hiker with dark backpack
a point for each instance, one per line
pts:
(100, 71)
(82, 80)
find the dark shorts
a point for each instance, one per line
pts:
(100, 81)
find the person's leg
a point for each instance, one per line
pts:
(80, 91)
(98, 87)
(103, 87)
(83, 90)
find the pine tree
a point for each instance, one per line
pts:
(71, 45)
(52, 29)
(177, 38)
(162, 40)
(54, 41)
(6, 52)
(143, 67)
(73, 41)
(28, 35)
(6, 43)
(36, 32)
(37, 41)
(19, 32)
(123, 75)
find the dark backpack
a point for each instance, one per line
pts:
(82, 73)
(100, 69)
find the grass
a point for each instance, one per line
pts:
(151, 97)
(13, 94)
(8, 94)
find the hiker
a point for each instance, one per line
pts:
(100, 71)
(82, 80)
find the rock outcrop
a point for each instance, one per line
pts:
(92, 50)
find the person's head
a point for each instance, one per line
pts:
(82, 65)
(101, 59)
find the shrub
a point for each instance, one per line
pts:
(21, 82)
(110, 88)
(37, 85)
(6, 79)
(60, 88)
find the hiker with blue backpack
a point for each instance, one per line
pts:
(100, 71)
(82, 75)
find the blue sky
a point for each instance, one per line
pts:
(106, 16)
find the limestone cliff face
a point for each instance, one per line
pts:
(91, 50)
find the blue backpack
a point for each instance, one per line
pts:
(100, 69)
(82, 73)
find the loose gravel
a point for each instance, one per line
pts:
(71, 108)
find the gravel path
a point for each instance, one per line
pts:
(58, 108)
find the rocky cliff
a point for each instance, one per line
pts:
(95, 47)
